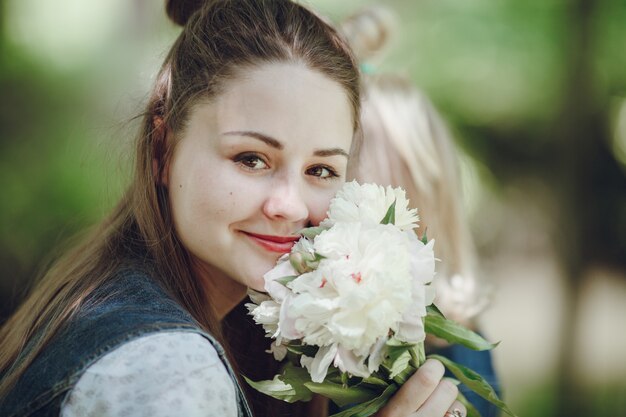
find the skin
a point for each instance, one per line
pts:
(425, 394)
(264, 158)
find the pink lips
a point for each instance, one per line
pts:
(272, 243)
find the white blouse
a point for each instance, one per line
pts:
(158, 375)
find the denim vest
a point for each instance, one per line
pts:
(130, 305)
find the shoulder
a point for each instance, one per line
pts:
(172, 373)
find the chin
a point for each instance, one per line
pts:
(257, 284)
(252, 279)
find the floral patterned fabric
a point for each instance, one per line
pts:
(162, 374)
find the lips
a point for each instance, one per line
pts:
(273, 243)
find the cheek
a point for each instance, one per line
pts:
(196, 200)
(318, 205)
(221, 196)
(191, 194)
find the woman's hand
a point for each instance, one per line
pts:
(425, 394)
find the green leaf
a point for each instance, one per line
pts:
(424, 237)
(474, 381)
(286, 280)
(341, 395)
(275, 388)
(306, 350)
(418, 355)
(372, 380)
(289, 386)
(334, 375)
(393, 341)
(296, 259)
(312, 261)
(434, 310)
(311, 232)
(471, 410)
(394, 352)
(370, 407)
(406, 373)
(344, 378)
(390, 216)
(297, 377)
(453, 332)
(400, 362)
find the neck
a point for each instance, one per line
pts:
(223, 292)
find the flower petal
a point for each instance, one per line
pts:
(348, 362)
(318, 367)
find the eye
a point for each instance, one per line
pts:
(251, 161)
(322, 172)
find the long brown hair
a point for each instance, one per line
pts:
(219, 40)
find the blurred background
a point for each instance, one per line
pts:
(534, 91)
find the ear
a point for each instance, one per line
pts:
(159, 141)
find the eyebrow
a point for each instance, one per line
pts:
(256, 135)
(276, 144)
(330, 152)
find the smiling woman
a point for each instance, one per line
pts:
(245, 139)
(268, 176)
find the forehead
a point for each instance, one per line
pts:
(285, 101)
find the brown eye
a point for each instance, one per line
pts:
(322, 172)
(251, 161)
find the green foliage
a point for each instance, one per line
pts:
(390, 216)
(418, 355)
(311, 232)
(286, 280)
(370, 407)
(437, 325)
(276, 388)
(306, 350)
(397, 359)
(342, 395)
(288, 386)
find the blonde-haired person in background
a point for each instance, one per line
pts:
(406, 143)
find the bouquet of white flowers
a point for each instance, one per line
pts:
(351, 304)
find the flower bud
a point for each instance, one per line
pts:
(298, 262)
(312, 264)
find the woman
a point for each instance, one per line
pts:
(406, 144)
(246, 138)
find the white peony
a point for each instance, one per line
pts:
(368, 281)
(282, 269)
(371, 280)
(368, 204)
(265, 311)
(359, 291)
(411, 327)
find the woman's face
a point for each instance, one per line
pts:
(255, 165)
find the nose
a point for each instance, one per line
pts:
(285, 202)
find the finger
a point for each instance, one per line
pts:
(439, 401)
(416, 390)
(457, 409)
